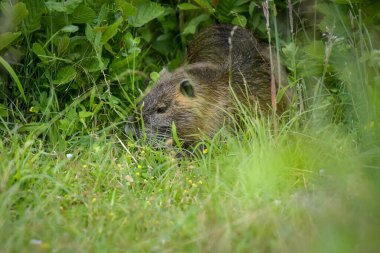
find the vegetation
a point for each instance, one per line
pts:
(71, 181)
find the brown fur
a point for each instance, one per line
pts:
(221, 59)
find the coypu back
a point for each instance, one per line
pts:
(245, 60)
(237, 53)
(224, 44)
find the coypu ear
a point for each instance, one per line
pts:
(186, 88)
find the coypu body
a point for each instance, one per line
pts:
(223, 63)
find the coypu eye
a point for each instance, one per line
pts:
(161, 109)
(186, 88)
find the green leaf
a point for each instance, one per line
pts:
(187, 6)
(36, 9)
(240, 20)
(227, 9)
(92, 64)
(154, 76)
(83, 14)
(204, 4)
(14, 76)
(55, 6)
(95, 38)
(71, 5)
(62, 44)
(146, 12)
(34, 126)
(67, 6)
(251, 8)
(127, 9)
(39, 51)
(111, 31)
(13, 15)
(85, 114)
(90, 33)
(3, 111)
(7, 38)
(70, 29)
(65, 75)
(191, 27)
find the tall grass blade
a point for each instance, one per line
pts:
(14, 76)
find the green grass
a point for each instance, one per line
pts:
(301, 191)
(71, 181)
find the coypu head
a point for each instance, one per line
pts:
(191, 97)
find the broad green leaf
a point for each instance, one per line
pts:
(227, 9)
(67, 6)
(251, 8)
(13, 75)
(39, 51)
(85, 114)
(90, 34)
(13, 15)
(95, 38)
(122, 64)
(7, 38)
(65, 75)
(70, 29)
(187, 6)
(62, 43)
(191, 27)
(154, 76)
(127, 9)
(240, 20)
(146, 12)
(163, 44)
(55, 6)
(204, 4)
(111, 31)
(71, 5)
(92, 64)
(36, 9)
(83, 14)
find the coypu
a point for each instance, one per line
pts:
(197, 96)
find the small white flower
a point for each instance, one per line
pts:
(69, 156)
(35, 242)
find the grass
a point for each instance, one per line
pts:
(310, 187)
(302, 191)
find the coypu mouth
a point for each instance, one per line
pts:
(159, 136)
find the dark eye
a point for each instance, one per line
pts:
(186, 88)
(161, 109)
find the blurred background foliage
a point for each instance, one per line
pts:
(77, 66)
